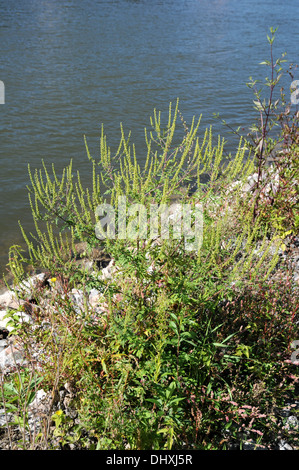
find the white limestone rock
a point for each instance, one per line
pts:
(9, 300)
(108, 272)
(19, 316)
(26, 287)
(11, 356)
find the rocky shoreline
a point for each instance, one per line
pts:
(12, 356)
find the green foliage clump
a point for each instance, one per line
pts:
(185, 348)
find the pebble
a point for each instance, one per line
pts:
(283, 445)
(9, 300)
(292, 423)
(3, 344)
(77, 296)
(95, 297)
(5, 417)
(26, 287)
(4, 322)
(10, 357)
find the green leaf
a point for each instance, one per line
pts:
(155, 401)
(173, 326)
(10, 407)
(177, 400)
(10, 388)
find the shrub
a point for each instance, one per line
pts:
(185, 348)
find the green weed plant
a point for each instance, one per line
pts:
(191, 350)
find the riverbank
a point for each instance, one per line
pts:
(31, 311)
(47, 308)
(178, 341)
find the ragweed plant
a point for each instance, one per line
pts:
(141, 365)
(65, 213)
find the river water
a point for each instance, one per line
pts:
(70, 65)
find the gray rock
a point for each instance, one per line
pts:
(40, 403)
(26, 287)
(38, 409)
(269, 181)
(10, 357)
(3, 344)
(4, 322)
(296, 278)
(86, 264)
(292, 423)
(95, 297)
(283, 445)
(78, 299)
(9, 300)
(5, 417)
(108, 272)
